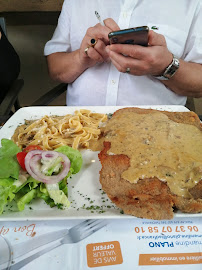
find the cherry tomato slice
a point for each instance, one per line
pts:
(21, 159)
(21, 156)
(32, 147)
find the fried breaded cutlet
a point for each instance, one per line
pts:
(152, 162)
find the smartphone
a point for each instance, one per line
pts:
(136, 35)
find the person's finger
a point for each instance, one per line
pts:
(99, 32)
(137, 67)
(111, 24)
(119, 59)
(117, 65)
(94, 55)
(100, 47)
(155, 39)
(135, 51)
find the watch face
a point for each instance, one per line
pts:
(170, 70)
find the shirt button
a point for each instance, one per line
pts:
(125, 15)
(113, 82)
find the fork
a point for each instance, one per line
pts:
(74, 235)
(25, 247)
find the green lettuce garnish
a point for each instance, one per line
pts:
(26, 199)
(74, 156)
(58, 196)
(9, 171)
(6, 192)
(23, 192)
(9, 166)
(8, 148)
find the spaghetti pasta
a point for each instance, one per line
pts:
(51, 132)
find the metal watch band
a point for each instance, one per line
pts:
(170, 70)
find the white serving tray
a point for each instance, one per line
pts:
(84, 188)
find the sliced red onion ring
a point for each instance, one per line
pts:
(46, 155)
(32, 166)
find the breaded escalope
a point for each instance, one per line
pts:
(152, 162)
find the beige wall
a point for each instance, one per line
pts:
(30, 5)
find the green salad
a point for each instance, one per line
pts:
(34, 173)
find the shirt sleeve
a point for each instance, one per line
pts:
(60, 41)
(193, 47)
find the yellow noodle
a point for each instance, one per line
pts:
(51, 132)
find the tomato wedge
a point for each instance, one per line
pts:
(21, 159)
(21, 156)
(32, 147)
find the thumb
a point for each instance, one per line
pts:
(155, 39)
(111, 24)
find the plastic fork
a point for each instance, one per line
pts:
(74, 235)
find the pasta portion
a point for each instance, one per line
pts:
(51, 132)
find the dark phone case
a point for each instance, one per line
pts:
(137, 35)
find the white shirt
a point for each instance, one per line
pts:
(179, 21)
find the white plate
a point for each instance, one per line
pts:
(84, 189)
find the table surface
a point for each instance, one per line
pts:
(122, 244)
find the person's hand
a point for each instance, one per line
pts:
(96, 54)
(151, 60)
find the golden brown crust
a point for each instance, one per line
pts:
(188, 205)
(196, 191)
(148, 198)
(179, 117)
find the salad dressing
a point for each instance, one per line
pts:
(157, 147)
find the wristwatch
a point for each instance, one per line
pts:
(170, 70)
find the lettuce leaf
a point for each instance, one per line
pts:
(63, 186)
(9, 167)
(30, 184)
(43, 194)
(9, 171)
(8, 162)
(8, 148)
(57, 195)
(7, 194)
(74, 156)
(27, 198)
(51, 166)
